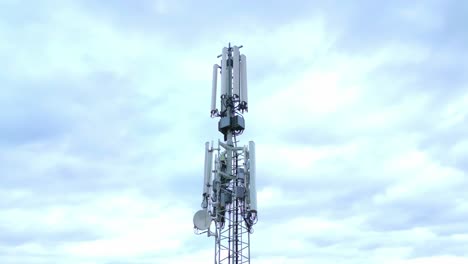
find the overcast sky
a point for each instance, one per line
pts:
(359, 110)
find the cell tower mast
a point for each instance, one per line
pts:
(229, 205)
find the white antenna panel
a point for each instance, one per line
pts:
(208, 168)
(214, 88)
(243, 79)
(236, 71)
(224, 71)
(252, 173)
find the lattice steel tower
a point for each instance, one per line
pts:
(229, 206)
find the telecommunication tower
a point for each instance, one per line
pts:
(229, 205)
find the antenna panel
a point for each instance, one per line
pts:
(252, 176)
(214, 88)
(208, 168)
(224, 72)
(243, 79)
(236, 71)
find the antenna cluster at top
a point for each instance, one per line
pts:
(233, 73)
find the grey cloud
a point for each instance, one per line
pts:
(369, 25)
(441, 143)
(455, 227)
(187, 21)
(17, 15)
(30, 125)
(46, 237)
(62, 179)
(332, 202)
(439, 76)
(314, 135)
(440, 246)
(408, 214)
(438, 81)
(28, 116)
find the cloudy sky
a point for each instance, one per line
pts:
(359, 111)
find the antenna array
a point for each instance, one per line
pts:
(229, 203)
